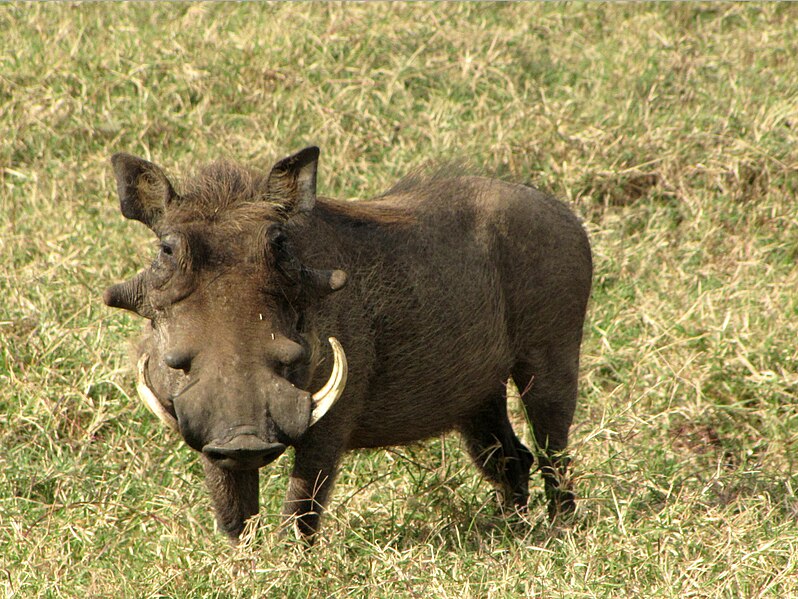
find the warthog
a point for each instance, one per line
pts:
(407, 312)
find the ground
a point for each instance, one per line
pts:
(671, 130)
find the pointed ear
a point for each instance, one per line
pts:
(292, 181)
(143, 188)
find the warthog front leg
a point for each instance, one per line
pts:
(308, 489)
(234, 495)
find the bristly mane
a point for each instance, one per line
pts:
(222, 191)
(360, 213)
(226, 193)
(232, 195)
(428, 174)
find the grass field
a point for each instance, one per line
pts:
(672, 130)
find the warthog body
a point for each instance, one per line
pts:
(438, 291)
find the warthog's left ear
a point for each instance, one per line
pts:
(143, 188)
(292, 181)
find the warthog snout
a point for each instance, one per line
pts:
(244, 451)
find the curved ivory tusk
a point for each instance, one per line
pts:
(325, 397)
(148, 397)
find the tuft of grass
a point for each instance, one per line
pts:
(671, 130)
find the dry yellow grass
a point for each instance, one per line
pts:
(671, 129)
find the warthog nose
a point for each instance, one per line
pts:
(243, 452)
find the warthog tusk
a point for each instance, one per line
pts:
(325, 397)
(148, 397)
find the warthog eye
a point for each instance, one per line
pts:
(171, 260)
(169, 244)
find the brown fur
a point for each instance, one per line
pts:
(455, 284)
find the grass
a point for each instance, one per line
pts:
(672, 130)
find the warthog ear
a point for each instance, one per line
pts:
(143, 188)
(292, 181)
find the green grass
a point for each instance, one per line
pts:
(673, 130)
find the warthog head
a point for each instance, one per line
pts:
(223, 359)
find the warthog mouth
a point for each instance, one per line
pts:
(243, 452)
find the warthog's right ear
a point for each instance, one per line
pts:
(292, 181)
(143, 188)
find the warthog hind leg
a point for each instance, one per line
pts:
(548, 388)
(496, 450)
